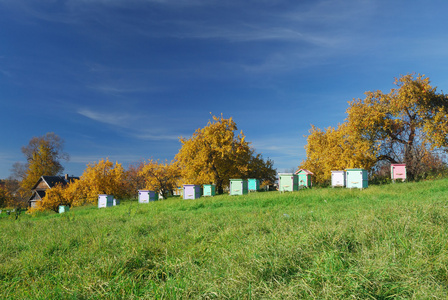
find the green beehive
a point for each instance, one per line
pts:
(238, 187)
(304, 178)
(209, 190)
(356, 178)
(288, 182)
(253, 184)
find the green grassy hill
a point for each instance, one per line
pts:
(384, 242)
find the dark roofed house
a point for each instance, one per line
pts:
(47, 182)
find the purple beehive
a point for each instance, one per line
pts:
(192, 191)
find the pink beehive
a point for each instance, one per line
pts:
(398, 171)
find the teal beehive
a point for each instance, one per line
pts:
(304, 178)
(63, 208)
(253, 184)
(238, 187)
(356, 178)
(209, 190)
(287, 182)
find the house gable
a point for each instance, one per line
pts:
(47, 182)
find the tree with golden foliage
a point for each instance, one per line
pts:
(6, 199)
(336, 149)
(102, 177)
(54, 197)
(43, 155)
(405, 125)
(216, 153)
(161, 177)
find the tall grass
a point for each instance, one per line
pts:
(383, 242)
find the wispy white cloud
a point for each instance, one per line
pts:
(6, 73)
(92, 158)
(116, 119)
(114, 90)
(127, 124)
(155, 137)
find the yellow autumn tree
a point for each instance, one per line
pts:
(406, 125)
(6, 199)
(161, 177)
(54, 197)
(102, 177)
(336, 149)
(43, 155)
(216, 153)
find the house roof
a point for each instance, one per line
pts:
(40, 196)
(51, 181)
(305, 171)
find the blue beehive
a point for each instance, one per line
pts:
(192, 191)
(356, 178)
(253, 184)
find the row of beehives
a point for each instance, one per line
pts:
(287, 182)
(350, 178)
(357, 178)
(103, 201)
(194, 191)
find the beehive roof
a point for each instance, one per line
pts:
(305, 171)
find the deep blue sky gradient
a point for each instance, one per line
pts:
(125, 78)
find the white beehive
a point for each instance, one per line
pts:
(338, 178)
(105, 201)
(144, 196)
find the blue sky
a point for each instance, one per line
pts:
(125, 78)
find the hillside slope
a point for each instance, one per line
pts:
(384, 241)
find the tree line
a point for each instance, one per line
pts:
(212, 155)
(407, 125)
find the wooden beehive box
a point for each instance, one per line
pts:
(192, 191)
(338, 178)
(253, 184)
(356, 178)
(398, 171)
(288, 182)
(144, 196)
(209, 190)
(105, 200)
(304, 178)
(238, 187)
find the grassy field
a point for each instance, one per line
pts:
(385, 242)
